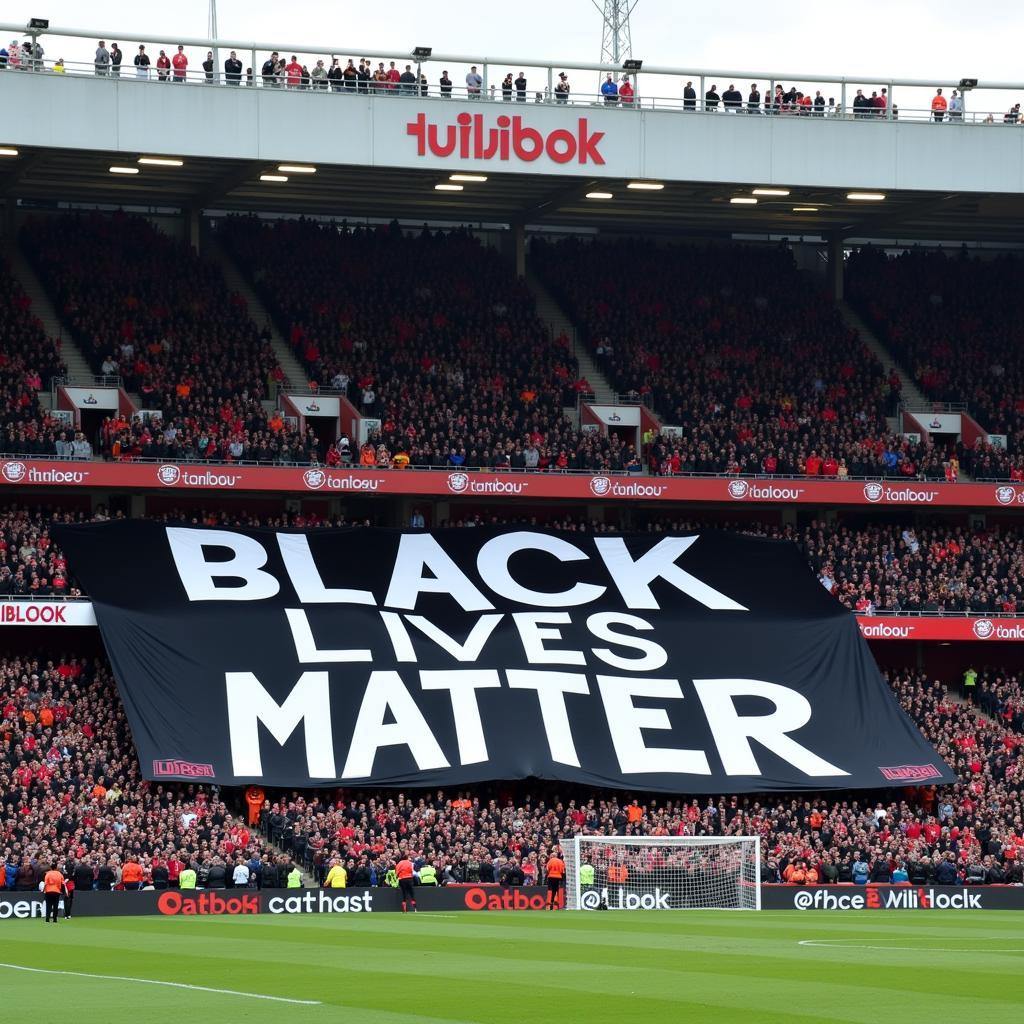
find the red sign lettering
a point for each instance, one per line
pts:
(508, 137)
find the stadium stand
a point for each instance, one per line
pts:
(430, 333)
(28, 363)
(738, 348)
(944, 316)
(142, 306)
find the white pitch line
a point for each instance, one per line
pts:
(831, 944)
(165, 984)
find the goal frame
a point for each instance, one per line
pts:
(572, 847)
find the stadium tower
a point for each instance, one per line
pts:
(616, 40)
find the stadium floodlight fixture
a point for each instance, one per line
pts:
(968, 83)
(161, 161)
(865, 197)
(743, 201)
(117, 169)
(422, 52)
(273, 177)
(645, 186)
(770, 192)
(467, 177)
(8, 151)
(38, 24)
(805, 209)
(632, 65)
(296, 169)
(599, 195)
(446, 186)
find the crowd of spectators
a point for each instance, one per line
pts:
(944, 317)
(742, 352)
(70, 792)
(143, 307)
(430, 333)
(28, 363)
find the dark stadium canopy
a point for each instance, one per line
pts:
(44, 176)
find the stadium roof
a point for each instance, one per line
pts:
(54, 175)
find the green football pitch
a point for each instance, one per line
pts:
(526, 968)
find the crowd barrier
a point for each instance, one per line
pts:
(477, 898)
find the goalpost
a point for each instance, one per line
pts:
(662, 872)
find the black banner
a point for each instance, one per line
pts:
(892, 897)
(701, 663)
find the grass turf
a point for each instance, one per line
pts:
(508, 968)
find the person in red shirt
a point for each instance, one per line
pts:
(293, 73)
(555, 872)
(180, 64)
(403, 871)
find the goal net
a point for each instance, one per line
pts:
(662, 872)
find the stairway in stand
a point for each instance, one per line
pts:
(295, 376)
(557, 322)
(42, 307)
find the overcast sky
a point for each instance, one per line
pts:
(937, 40)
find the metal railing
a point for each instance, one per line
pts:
(654, 87)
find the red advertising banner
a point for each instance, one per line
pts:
(952, 628)
(463, 483)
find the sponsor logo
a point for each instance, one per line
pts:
(884, 630)
(935, 424)
(172, 903)
(986, 629)
(875, 491)
(505, 138)
(1005, 495)
(191, 769)
(89, 400)
(898, 898)
(171, 475)
(458, 482)
(740, 489)
(312, 406)
(322, 902)
(983, 629)
(614, 418)
(54, 476)
(461, 483)
(506, 898)
(620, 899)
(21, 909)
(33, 614)
(910, 772)
(14, 472)
(600, 486)
(314, 478)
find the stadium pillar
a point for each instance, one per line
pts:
(193, 227)
(513, 247)
(835, 266)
